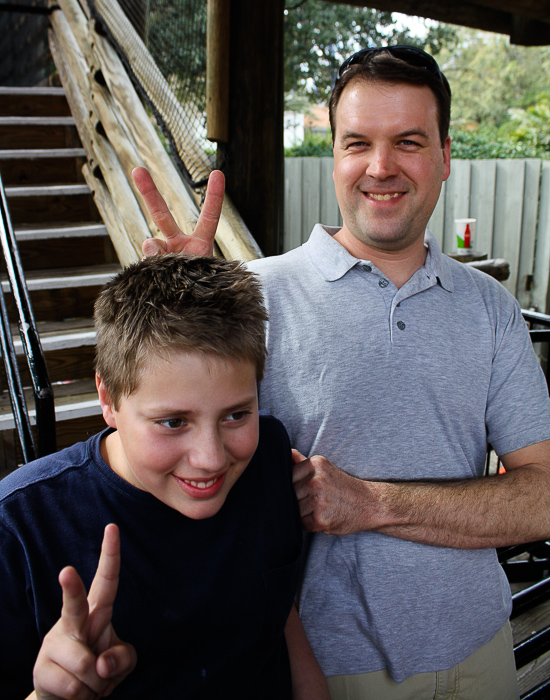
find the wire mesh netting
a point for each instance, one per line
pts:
(163, 44)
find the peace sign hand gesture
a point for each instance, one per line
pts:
(81, 657)
(201, 241)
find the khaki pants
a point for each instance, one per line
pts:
(488, 674)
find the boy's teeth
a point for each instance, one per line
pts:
(384, 197)
(201, 484)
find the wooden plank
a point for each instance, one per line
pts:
(457, 201)
(510, 186)
(528, 232)
(38, 153)
(76, 277)
(47, 191)
(311, 205)
(482, 199)
(34, 136)
(46, 231)
(74, 76)
(217, 70)
(293, 204)
(36, 121)
(436, 224)
(542, 247)
(330, 211)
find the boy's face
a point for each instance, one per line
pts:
(187, 432)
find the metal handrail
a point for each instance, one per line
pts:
(42, 389)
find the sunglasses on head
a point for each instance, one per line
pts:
(408, 54)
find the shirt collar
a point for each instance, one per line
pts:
(333, 261)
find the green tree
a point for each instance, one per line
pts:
(319, 35)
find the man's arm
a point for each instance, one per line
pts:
(308, 681)
(201, 241)
(493, 511)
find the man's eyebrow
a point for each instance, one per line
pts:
(414, 132)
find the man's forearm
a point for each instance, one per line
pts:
(494, 511)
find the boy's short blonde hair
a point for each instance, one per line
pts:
(168, 303)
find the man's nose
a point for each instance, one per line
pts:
(382, 163)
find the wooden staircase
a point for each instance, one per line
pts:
(66, 254)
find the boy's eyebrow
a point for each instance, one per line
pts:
(173, 410)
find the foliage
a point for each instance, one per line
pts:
(177, 42)
(319, 35)
(312, 145)
(486, 143)
(489, 77)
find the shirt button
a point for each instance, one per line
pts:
(367, 268)
(401, 325)
(383, 283)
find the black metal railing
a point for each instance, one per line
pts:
(32, 348)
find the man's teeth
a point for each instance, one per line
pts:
(201, 484)
(384, 197)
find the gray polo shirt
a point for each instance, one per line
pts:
(398, 384)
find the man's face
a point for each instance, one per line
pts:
(188, 431)
(388, 164)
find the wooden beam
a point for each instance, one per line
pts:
(253, 157)
(501, 16)
(536, 9)
(217, 70)
(466, 14)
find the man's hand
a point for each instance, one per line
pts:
(331, 501)
(81, 657)
(201, 241)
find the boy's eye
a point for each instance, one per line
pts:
(172, 423)
(238, 415)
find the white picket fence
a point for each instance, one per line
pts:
(509, 198)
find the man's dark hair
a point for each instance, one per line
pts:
(381, 66)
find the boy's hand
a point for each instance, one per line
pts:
(81, 657)
(201, 241)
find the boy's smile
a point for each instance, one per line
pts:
(187, 432)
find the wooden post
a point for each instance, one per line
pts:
(217, 70)
(253, 157)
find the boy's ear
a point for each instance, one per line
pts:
(109, 414)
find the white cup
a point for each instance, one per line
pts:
(465, 230)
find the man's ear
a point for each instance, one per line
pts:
(109, 413)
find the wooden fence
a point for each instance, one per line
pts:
(509, 198)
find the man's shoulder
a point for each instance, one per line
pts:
(277, 264)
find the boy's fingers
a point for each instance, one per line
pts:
(66, 668)
(104, 586)
(74, 614)
(116, 663)
(209, 218)
(156, 205)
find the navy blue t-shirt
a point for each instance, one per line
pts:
(204, 602)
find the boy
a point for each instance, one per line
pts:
(200, 489)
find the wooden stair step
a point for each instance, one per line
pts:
(39, 153)
(70, 277)
(33, 101)
(57, 335)
(47, 231)
(72, 400)
(47, 190)
(37, 121)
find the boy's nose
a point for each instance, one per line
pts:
(208, 453)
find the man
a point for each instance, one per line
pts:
(398, 365)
